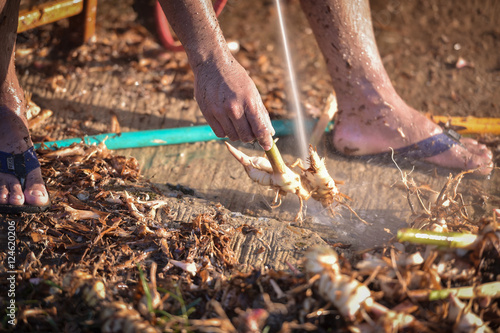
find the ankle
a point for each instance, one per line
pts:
(14, 133)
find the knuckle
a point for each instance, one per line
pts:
(253, 104)
(234, 110)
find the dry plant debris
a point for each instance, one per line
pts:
(110, 257)
(105, 223)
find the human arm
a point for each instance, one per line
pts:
(225, 93)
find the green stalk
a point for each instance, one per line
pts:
(145, 286)
(490, 289)
(441, 239)
(276, 160)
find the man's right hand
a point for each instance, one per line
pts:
(225, 93)
(230, 102)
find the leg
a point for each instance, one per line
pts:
(372, 117)
(14, 134)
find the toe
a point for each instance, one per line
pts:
(4, 194)
(37, 195)
(480, 159)
(35, 192)
(471, 156)
(16, 196)
(482, 164)
(476, 148)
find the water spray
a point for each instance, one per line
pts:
(300, 124)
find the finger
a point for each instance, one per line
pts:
(240, 123)
(226, 124)
(267, 118)
(262, 127)
(215, 125)
(243, 129)
(266, 142)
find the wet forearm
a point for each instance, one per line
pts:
(196, 26)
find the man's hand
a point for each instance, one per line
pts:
(225, 93)
(231, 103)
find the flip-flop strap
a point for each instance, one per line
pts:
(431, 146)
(19, 165)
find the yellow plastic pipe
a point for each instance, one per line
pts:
(471, 125)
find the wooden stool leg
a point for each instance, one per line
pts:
(82, 26)
(89, 12)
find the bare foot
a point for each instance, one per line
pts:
(374, 122)
(14, 139)
(372, 117)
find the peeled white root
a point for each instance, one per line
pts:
(260, 170)
(314, 181)
(346, 293)
(318, 181)
(465, 320)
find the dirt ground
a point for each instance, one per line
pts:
(126, 77)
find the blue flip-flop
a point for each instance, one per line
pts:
(432, 146)
(20, 165)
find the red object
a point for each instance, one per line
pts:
(163, 28)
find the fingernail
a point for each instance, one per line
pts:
(266, 147)
(37, 193)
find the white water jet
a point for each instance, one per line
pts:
(300, 131)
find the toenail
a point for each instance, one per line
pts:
(37, 193)
(17, 197)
